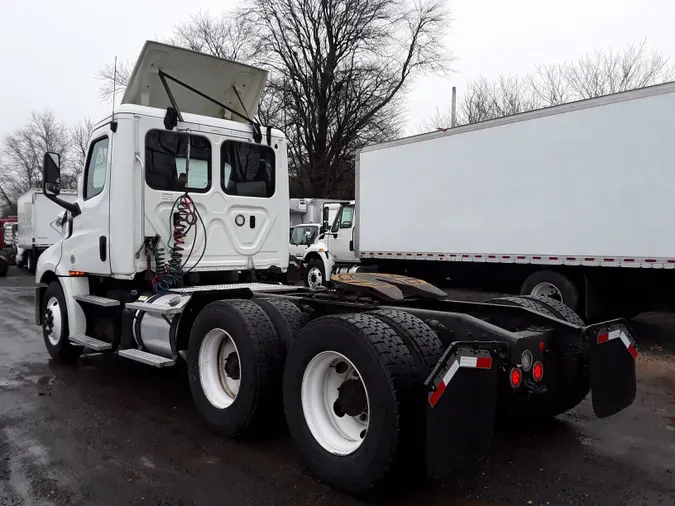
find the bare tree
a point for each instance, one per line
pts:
(22, 154)
(228, 36)
(593, 75)
(114, 80)
(338, 72)
(79, 145)
(341, 67)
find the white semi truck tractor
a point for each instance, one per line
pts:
(183, 194)
(569, 202)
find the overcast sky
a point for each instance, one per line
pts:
(50, 50)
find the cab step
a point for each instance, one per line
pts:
(90, 342)
(164, 309)
(97, 300)
(146, 358)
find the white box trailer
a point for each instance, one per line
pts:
(573, 201)
(38, 229)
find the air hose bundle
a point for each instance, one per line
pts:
(184, 216)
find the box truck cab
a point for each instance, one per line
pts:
(333, 252)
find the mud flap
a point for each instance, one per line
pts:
(612, 367)
(460, 409)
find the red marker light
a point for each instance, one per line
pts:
(538, 371)
(516, 377)
(542, 345)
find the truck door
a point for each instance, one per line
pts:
(87, 248)
(342, 235)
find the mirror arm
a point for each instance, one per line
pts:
(73, 207)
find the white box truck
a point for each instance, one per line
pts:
(38, 225)
(377, 377)
(306, 218)
(572, 202)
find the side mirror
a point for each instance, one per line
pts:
(51, 174)
(51, 182)
(325, 217)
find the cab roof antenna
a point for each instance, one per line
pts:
(113, 123)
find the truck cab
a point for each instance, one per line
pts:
(333, 252)
(180, 186)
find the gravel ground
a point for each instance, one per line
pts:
(110, 431)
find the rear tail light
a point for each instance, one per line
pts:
(516, 377)
(526, 360)
(538, 371)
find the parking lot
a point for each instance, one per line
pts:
(110, 431)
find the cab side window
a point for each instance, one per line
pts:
(96, 168)
(166, 162)
(344, 219)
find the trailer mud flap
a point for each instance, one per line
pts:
(460, 410)
(612, 367)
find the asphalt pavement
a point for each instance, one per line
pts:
(110, 431)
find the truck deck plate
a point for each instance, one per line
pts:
(146, 358)
(90, 342)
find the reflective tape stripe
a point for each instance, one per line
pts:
(471, 362)
(605, 337)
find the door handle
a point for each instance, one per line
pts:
(103, 248)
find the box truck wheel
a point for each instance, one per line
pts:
(31, 258)
(235, 362)
(315, 274)
(551, 284)
(55, 325)
(349, 385)
(286, 317)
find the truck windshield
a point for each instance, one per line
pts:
(304, 235)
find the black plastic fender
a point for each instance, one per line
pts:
(612, 366)
(460, 412)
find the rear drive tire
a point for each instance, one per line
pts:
(551, 284)
(368, 361)
(235, 364)
(571, 382)
(560, 310)
(55, 329)
(423, 343)
(286, 317)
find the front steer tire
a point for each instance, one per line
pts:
(260, 363)
(390, 378)
(55, 329)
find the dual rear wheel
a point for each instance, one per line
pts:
(350, 385)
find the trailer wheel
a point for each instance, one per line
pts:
(551, 284)
(286, 317)
(55, 329)
(349, 386)
(315, 274)
(235, 364)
